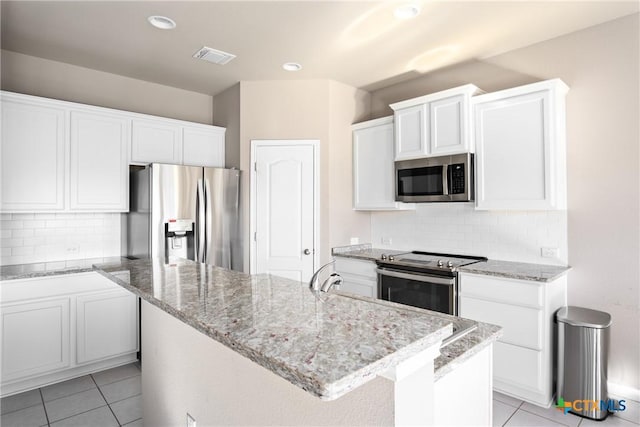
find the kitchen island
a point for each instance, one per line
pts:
(265, 350)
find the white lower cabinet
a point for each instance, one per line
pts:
(60, 327)
(523, 356)
(35, 338)
(358, 276)
(97, 339)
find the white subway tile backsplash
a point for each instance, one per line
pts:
(34, 223)
(50, 237)
(459, 228)
(11, 225)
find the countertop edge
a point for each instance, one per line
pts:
(452, 364)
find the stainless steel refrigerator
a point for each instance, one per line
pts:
(185, 211)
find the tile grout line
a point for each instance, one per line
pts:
(113, 382)
(511, 416)
(105, 399)
(549, 419)
(46, 415)
(79, 413)
(117, 401)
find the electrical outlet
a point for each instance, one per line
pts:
(73, 249)
(549, 252)
(354, 241)
(191, 422)
(386, 240)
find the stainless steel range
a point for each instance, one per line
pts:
(422, 279)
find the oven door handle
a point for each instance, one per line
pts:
(417, 277)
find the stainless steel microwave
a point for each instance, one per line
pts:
(435, 179)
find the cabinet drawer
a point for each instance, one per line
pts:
(356, 267)
(518, 366)
(521, 325)
(511, 291)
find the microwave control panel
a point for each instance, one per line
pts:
(457, 184)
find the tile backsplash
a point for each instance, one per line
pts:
(38, 237)
(460, 229)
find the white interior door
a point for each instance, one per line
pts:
(284, 208)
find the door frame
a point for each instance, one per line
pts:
(255, 144)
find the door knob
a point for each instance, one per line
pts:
(307, 252)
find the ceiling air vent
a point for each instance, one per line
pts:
(213, 55)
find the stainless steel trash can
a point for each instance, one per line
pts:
(583, 348)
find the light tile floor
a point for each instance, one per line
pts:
(508, 411)
(104, 399)
(112, 398)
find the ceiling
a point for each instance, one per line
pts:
(359, 43)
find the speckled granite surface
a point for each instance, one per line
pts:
(42, 269)
(517, 270)
(327, 346)
(454, 354)
(364, 251)
(508, 269)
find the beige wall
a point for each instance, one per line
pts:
(51, 79)
(347, 105)
(601, 65)
(226, 110)
(306, 109)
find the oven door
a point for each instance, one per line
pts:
(426, 291)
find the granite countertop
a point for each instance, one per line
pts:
(53, 268)
(327, 344)
(364, 252)
(508, 269)
(517, 270)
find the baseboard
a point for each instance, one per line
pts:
(623, 391)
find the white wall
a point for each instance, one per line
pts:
(458, 228)
(27, 238)
(601, 65)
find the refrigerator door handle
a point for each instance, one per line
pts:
(200, 222)
(208, 221)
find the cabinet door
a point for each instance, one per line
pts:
(99, 172)
(203, 147)
(106, 325)
(358, 286)
(32, 156)
(411, 132)
(35, 338)
(155, 141)
(447, 123)
(373, 172)
(519, 150)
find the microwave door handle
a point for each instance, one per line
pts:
(445, 180)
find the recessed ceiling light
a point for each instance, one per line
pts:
(292, 66)
(162, 22)
(407, 11)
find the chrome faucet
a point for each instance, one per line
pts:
(332, 280)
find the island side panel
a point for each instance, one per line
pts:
(184, 371)
(464, 396)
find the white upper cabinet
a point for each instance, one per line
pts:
(99, 172)
(449, 120)
(520, 147)
(32, 155)
(155, 141)
(373, 170)
(64, 156)
(203, 146)
(411, 132)
(434, 124)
